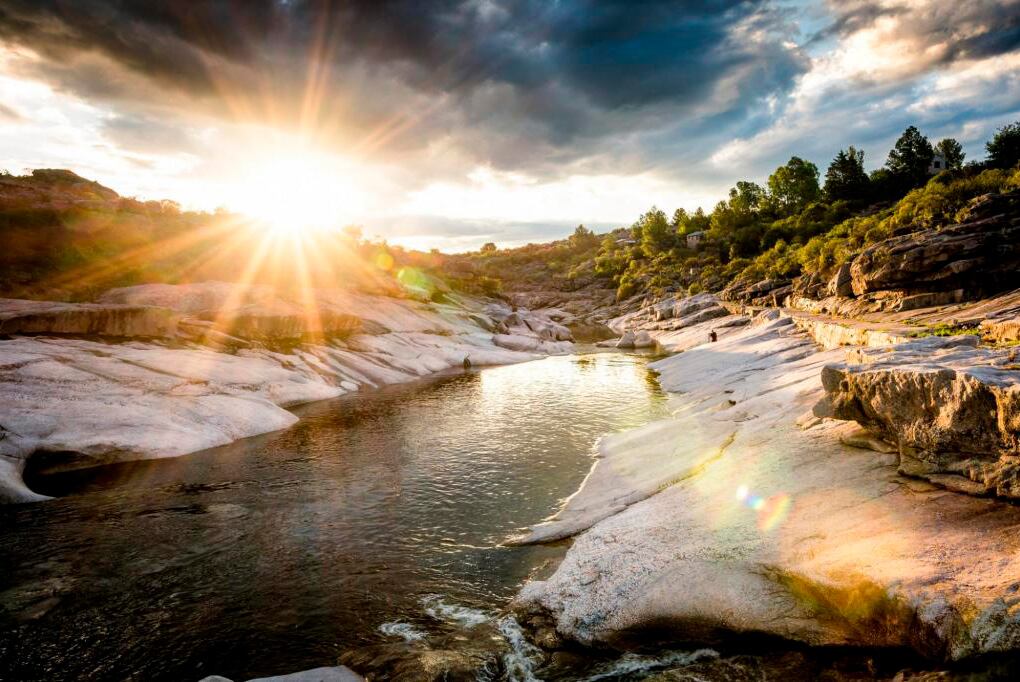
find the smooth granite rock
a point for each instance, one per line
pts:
(730, 517)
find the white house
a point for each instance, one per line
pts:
(938, 164)
(694, 238)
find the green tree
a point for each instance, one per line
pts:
(746, 197)
(845, 179)
(583, 238)
(681, 221)
(952, 152)
(910, 158)
(657, 235)
(793, 186)
(699, 221)
(1004, 147)
(488, 247)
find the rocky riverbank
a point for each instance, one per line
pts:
(809, 486)
(161, 371)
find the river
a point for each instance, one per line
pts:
(377, 517)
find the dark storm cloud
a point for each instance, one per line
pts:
(553, 73)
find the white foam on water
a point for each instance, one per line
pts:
(406, 631)
(465, 616)
(520, 661)
(636, 663)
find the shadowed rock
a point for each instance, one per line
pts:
(86, 319)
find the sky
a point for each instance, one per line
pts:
(450, 123)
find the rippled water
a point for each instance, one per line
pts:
(277, 553)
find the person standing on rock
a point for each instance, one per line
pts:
(467, 362)
(712, 336)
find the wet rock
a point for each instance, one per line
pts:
(465, 656)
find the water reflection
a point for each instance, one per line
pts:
(279, 552)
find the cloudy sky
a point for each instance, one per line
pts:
(449, 123)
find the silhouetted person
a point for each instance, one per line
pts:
(712, 336)
(467, 362)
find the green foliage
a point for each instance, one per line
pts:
(488, 247)
(657, 235)
(845, 180)
(790, 228)
(583, 238)
(793, 186)
(952, 152)
(946, 329)
(1004, 147)
(910, 158)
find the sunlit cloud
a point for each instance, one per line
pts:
(452, 124)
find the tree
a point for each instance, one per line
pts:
(845, 178)
(746, 197)
(680, 221)
(699, 221)
(656, 233)
(1004, 147)
(488, 247)
(910, 158)
(793, 186)
(583, 237)
(952, 152)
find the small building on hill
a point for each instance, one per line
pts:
(937, 165)
(694, 239)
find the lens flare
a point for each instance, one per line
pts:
(384, 261)
(771, 511)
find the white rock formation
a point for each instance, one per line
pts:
(109, 402)
(687, 325)
(732, 517)
(340, 673)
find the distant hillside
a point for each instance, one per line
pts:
(793, 234)
(65, 237)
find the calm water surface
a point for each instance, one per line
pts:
(279, 552)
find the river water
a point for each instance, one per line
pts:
(377, 517)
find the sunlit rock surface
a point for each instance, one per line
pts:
(739, 515)
(951, 408)
(82, 398)
(674, 323)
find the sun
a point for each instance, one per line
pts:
(297, 191)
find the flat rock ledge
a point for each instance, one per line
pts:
(950, 408)
(161, 371)
(338, 673)
(744, 513)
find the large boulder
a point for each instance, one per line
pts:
(951, 409)
(693, 304)
(981, 255)
(841, 282)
